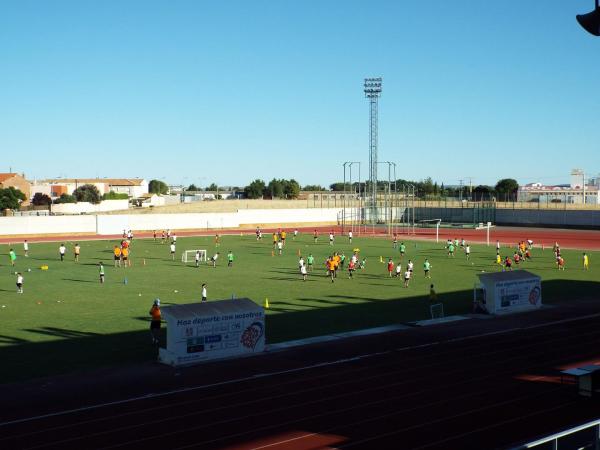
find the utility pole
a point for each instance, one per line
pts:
(460, 186)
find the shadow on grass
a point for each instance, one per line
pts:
(78, 280)
(75, 350)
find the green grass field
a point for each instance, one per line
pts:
(67, 321)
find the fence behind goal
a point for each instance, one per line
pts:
(190, 255)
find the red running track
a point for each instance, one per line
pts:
(478, 384)
(508, 236)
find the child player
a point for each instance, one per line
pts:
(390, 267)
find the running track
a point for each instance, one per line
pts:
(508, 236)
(479, 383)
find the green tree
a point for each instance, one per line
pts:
(212, 187)
(115, 196)
(157, 187)
(255, 189)
(339, 186)
(482, 192)
(506, 189)
(65, 198)
(274, 188)
(87, 193)
(291, 188)
(40, 199)
(11, 198)
(193, 187)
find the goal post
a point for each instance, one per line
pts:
(190, 256)
(436, 222)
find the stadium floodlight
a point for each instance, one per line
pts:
(591, 21)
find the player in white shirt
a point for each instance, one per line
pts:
(174, 238)
(295, 234)
(468, 251)
(350, 237)
(214, 258)
(26, 248)
(331, 238)
(197, 258)
(19, 283)
(204, 292)
(173, 251)
(301, 262)
(303, 272)
(280, 246)
(398, 270)
(407, 275)
(62, 250)
(410, 266)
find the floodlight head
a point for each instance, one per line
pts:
(591, 21)
(372, 87)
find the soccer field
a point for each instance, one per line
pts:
(66, 320)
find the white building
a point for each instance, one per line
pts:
(579, 191)
(55, 187)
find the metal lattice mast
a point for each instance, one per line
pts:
(372, 88)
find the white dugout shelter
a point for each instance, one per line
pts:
(198, 332)
(505, 292)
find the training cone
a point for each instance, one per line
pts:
(272, 253)
(299, 252)
(267, 303)
(381, 259)
(144, 262)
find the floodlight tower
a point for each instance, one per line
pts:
(372, 89)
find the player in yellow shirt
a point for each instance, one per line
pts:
(586, 261)
(117, 253)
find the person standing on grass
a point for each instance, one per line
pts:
(280, 247)
(197, 258)
(301, 262)
(13, 257)
(586, 261)
(154, 235)
(173, 251)
(350, 237)
(117, 253)
(101, 270)
(282, 235)
(427, 268)
(214, 258)
(402, 250)
(310, 260)
(407, 276)
(395, 241)
(351, 269)
(125, 257)
(331, 238)
(497, 246)
(451, 250)
(390, 267)
(19, 283)
(230, 259)
(507, 264)
(410, 265)
(174, 238)
(155, 322)
(432, 295)
(163, 237)
(275, 239)
(398, 270)
(217, 240)
(315, 236)
(561, 263)
(26, 248)
(295, 234)
(303, 272)
(203, 292)
(331, 267)
(468, 251)
(76, 252)
(62, 250)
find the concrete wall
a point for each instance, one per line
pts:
(552, 218)
(90, 208)
(47, 225)
(115, 224)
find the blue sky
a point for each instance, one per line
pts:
(200, 92)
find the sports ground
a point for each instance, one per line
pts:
(454, 385)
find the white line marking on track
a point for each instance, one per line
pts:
(287, 371)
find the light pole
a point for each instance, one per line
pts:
(372, 90)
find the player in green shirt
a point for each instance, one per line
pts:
(230, 259)
(13, 256)
(402, 249)
(451, 250)
(310, 260)
(427, 268)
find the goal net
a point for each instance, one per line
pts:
(190, 256)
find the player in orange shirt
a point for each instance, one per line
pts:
(331, 267)
(117, 253)
(156, 319)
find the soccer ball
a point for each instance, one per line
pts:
(28, 270)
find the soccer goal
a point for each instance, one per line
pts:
(190, 255)
(437, 311)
